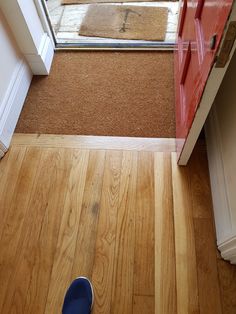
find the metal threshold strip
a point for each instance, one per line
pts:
(116, 46)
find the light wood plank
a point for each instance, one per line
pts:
(15, 216)
(143, 304)
(208, 281)
(165, 277)
(122, 292)
(200, 184)
(8, 180)
(106, 235)
(86, 239)
(95, 142)
(186, 267)
(15, 297)
(46, 244)
(63, 260)
(227, 276)
(144, 227)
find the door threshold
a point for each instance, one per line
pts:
(116, 46)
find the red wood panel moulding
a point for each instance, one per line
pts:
(183, 13)
(186, 64)
(198, 12)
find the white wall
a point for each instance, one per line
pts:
(15, 77)
(10, 57)
(221, 142)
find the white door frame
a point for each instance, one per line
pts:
(29, 25)
(212, 86)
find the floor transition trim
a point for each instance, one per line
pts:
(95, 142)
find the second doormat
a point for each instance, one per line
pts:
(125, 22)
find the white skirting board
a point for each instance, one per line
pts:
(225, 224)
(12, 104)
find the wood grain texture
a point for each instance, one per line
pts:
(143, 304)
(208, 284)
(86, 238)
(144, 258)
(15, 214)
(67, 236)
(122, 290)
(8, 180)
(70, 212)
(165, 278)
(102, 276)
(95, 142)
(47, 241)
(186, 266)
(200, 184)
(27, 252)
(227, 277)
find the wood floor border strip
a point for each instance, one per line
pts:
(95, 142)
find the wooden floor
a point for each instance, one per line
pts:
(131, 220)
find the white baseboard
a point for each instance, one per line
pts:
(228, 250)
(12, 104)
(225, 229)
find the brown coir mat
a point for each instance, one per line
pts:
(125, 22)
(103, 93)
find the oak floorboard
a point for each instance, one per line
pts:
(186, 266)
(122, 290)
(86, 238)
(200, 184)
(165, 277)
(66, 243)
(208, 283)
(12, 228)
(95, 142)
(144, 257)
(227, 277)
(9, 179)
(143, 304)
(15, 297)
(106, 234)
(47, 241)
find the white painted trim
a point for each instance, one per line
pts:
(13, 102)
(41, 62)
(225, 230)
(212, 86)
(228, 250)
(29, 31)
(44, 20)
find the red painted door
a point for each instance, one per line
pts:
(200, 29)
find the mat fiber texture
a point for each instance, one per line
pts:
(125, 22)
(103, 93)
(64, 2)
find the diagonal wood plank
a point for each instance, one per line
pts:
(15, 216)
(165, 278)
(46, 244)
(86, 238)
(122, 290)
(144, 276)
(63, 259)
(106, 234)
(15, 297)
(186, 267)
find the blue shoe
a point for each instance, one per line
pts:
(79, 297)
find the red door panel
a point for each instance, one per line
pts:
(201, 25)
